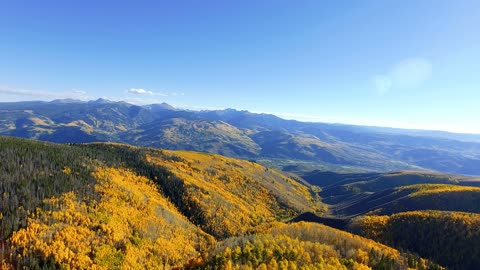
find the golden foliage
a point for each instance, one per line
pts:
(137, 211)
(235, 195)
(4, 265)
(134, 214)
(65, 235)
(427, 189)
(452, 233)
(303, 246)
(131, 226)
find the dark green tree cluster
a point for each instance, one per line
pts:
(451, 239)
(31, 171)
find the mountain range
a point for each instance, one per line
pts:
(286, 144)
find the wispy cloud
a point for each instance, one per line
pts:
(145, 92)
(139, 91)
(79, 92)
(407, 74)
(41, 95)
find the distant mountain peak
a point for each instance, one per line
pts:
(160, 107)
(101, 101)
(166, 105)
(230, 110)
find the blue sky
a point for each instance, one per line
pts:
(409, 63)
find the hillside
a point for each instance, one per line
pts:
(352, 194)
(113, 206)
(286, 144)
(308, 246)
(343, 187)
(410, 198)
(403, 210)
(81, 206)
(452, 238)
(233, 196)
(70, 121)
(199, 135)
(195, 182)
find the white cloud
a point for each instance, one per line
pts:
(80, 92)
(410, 73)
(144, 92)
(44, 95)
(139, 91)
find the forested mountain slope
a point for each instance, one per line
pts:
(404, 210)
(111, 206)
(410, 198)
(341, 187)
(451, 239)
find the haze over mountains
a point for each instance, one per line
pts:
(287, 144)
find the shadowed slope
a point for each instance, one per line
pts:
(449, 238)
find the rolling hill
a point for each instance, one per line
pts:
(452, 238)
(286, 144)
(353, 194)
(337, 187)
(115, 206)
(431, 214)
(410, 198)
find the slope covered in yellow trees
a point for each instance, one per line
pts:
(130, 225)
(108, 205)
(308, 246)
(236, 195)
(427, 189)
(451, 239)
(436, 197)
(113, 206)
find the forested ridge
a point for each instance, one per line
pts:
(451, 239)
(431, 214)
(111, 206)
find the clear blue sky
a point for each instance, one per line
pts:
(401, 63)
